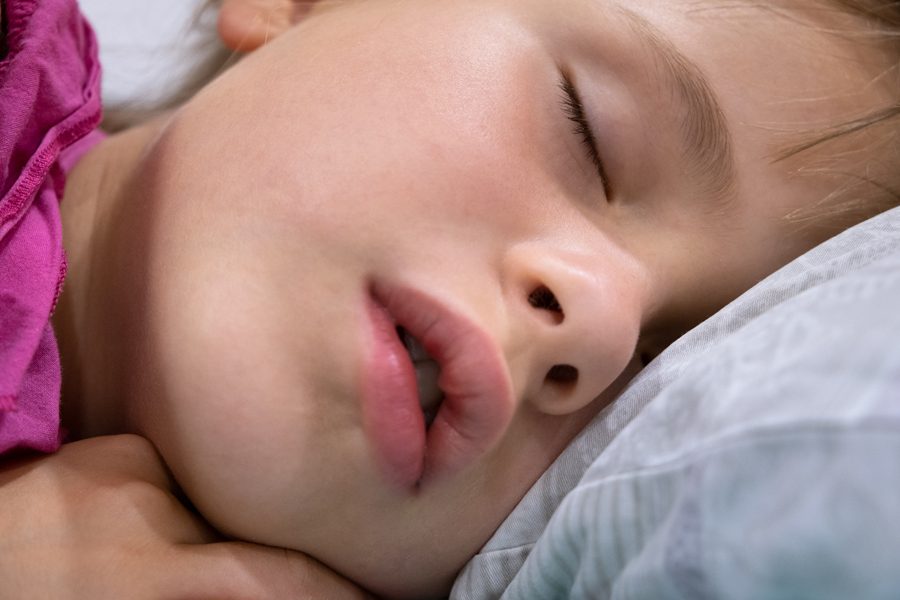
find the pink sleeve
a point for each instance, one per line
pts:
(49, 99)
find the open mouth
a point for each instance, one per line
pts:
(427, 375)
(434, 389)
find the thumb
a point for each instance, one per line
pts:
(245, 570)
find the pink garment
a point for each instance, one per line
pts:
(49, 99)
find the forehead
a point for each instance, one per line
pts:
(782, 71)
(794, 65)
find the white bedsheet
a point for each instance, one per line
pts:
(757, 458)
(146, 47)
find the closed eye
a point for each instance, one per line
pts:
(574, 109)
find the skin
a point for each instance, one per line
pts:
(98, 519)
(220, 259)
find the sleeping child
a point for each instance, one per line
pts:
(362, 289)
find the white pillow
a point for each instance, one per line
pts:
(146, 48)
(755, 458)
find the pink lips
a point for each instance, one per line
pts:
(478, 403)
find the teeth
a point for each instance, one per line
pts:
(427, 373)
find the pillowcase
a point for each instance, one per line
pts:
(150, 52)
(755, 458)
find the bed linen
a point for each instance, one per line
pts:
(758, 457)
(146, 48)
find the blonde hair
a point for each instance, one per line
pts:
(872, 186)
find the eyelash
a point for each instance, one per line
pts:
(574, 109)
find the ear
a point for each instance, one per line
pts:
(245, 25)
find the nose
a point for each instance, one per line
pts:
(574, 321)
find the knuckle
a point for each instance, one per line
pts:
(142, 493)
(132, 455)
(108, 448)
(135, 447)
(129, 501)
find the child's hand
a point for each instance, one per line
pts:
(98, 520)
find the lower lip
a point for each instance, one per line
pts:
(390, 402)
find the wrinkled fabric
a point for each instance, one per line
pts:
(49, 100)
(755, 458)
(767, 469)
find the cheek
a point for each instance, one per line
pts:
(533, 441)
(376, 134)
(256, 462)
(240, 409)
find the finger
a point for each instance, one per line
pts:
(127, 474)
(244, 570)
(130, 457)
(179, 525)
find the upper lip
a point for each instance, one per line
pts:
(478, 398)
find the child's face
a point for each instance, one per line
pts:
(412, 163)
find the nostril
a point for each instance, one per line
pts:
(563, 374)
(544, 299)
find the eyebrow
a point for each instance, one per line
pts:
(704, 127)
